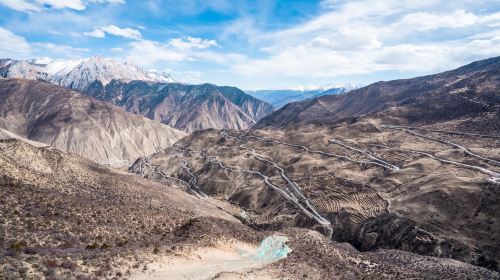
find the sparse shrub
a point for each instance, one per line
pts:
(156, 250)
(17, 246)
(51, 264)
(30, 250)
(105, 246)
(92, 246)
(121, 243)
(68, 264)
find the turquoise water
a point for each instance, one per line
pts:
(272, 248)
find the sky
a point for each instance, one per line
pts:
(267, 44)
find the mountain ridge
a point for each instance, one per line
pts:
(182, 106)
(470, 88)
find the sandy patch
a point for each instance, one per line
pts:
(234, 261)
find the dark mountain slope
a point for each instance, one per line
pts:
(186, 107)
(466, 91)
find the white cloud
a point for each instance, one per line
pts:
(127, 32)
(303, 60)
(108, 1)
(189, 43)
(38, 5)
(58, 4)
(117, 49)
(349, 12)
(317, 61)
(492, 20)
(96, 34)
(148, 53)
(57, 50)
(20, 5)
(350, 38)
(363, 37)
(189, 77)
(12, 45)
(427, 21)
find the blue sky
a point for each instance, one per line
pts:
(259, 44)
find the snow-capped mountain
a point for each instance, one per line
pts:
(22, 69)
(280, 97)
(78, 73)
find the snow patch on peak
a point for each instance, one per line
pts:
(159, 76)
(80, 73)
(41, 60)
(61, 67)
(347, 87)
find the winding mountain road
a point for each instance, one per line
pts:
(444, 131)
(495, 176)
(194, 180)
(192, 186)
(296, 193)
(457, 146)
(377, 161)
(367, 154)
(311, 213)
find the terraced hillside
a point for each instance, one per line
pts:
(375, 186)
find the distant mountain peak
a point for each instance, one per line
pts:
(348, 86)
(280, 97)
(79, 73)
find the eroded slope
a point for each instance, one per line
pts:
(78, 124)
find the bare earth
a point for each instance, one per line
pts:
(230, 261)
